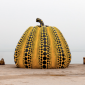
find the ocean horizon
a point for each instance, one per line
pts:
(76, 57)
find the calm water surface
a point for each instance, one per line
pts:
(76, 57)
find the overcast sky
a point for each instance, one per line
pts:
(67, 15)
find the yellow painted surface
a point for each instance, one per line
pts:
(35, 56)
(53, 57)
(22, 50)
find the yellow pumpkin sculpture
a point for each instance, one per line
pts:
(42, 47)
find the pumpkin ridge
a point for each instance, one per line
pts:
(35, 59)
(19, 47)
(28, 49)
(65, 45)
(52, 48)
(22, 50)
(59, 49)
(44, 56)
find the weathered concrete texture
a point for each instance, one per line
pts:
(73, 75)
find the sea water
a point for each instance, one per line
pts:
(76, 57)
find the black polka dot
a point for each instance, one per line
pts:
(43, 35)
(62, 54)
(44, 39)
(26, 66)
(25, 62)
(44, 49)
(25, 54)
(63, 58)
(44, 58)
(27, 46)
(26, 50)
(44, 66)
(25, 58)
(44, 62)
(62, 62)
(62, 67)
(44, 45)
(44, 53)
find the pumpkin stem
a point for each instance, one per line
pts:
(40, 21)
